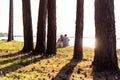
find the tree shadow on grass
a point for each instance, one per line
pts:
(66, 71)
(8, 55)
(20, 62)
(106, 75)
(13, 57)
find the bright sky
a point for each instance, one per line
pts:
(66, 15)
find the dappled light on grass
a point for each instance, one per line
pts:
(16, 66)
(26, 66)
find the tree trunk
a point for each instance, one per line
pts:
(41, 28)
(78, 49)
(105, 51)
(27, 26)
(10, 30)
(51, 36)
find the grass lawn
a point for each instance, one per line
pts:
(16, 66)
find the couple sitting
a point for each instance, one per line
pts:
(63, 41)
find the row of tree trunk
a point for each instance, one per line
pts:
(105, 51)
(105, 58)
(46, 7)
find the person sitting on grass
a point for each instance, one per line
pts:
(60, 42)
(65, 41)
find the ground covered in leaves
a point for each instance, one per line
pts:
(17, 66)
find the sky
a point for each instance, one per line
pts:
(66, 17)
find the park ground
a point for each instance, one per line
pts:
(17, 66)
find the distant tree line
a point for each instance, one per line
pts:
(3, 34)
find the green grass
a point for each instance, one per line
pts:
(15, 66)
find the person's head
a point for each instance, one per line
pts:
(61, 36)
(65, 35)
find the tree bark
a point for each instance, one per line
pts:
(27, 26)
(78, 49)
(51, 35)
(41, 28)
(105, 51)
(10, 30)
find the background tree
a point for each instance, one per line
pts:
(41, 28)
(27, 26)
(10, 30)
(78, 50)
(51, 36)
(105, 51)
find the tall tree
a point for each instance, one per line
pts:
(10, 30)
(78, 49)
(105, 51)
(51, 35)
(41, 28)
(27, 26)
